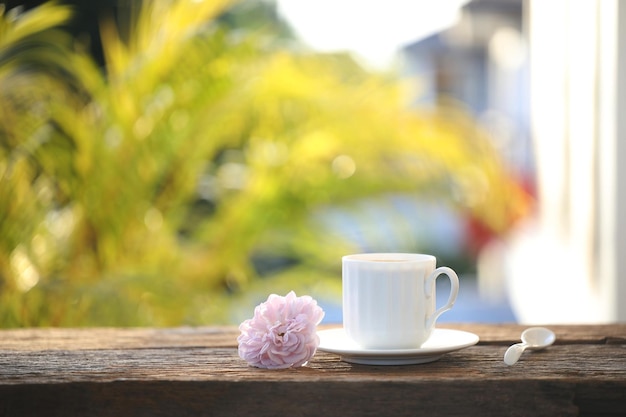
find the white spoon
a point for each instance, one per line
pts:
(533, 338)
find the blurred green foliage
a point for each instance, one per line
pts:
(152, 191)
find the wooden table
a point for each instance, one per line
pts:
(197, 372)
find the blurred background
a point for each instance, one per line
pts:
(173, 162)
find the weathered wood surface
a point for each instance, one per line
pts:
(196, 372)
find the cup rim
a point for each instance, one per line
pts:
(395, 257)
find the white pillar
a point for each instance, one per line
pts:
(611, 278)
(570, 264)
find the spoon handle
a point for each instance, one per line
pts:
(512, 354)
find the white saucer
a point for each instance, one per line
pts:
(440, 342)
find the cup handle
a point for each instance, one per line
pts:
(454, 291)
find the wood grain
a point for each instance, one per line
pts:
(130, 338)
(197, 372)
(116, 338)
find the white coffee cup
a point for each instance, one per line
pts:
(389, 298)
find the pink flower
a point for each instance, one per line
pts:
(282, 333)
